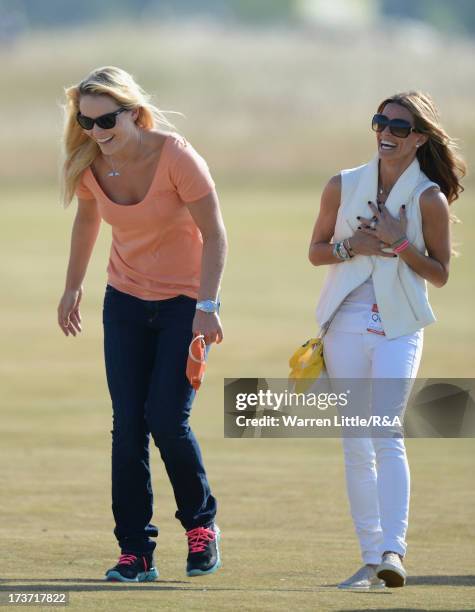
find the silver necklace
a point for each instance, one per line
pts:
(381, 190)
(114, 169)
(382, 193)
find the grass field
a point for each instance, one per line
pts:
(287, 533)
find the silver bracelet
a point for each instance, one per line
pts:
(340, 251)
(348, 247)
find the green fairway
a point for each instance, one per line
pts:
(287, 532)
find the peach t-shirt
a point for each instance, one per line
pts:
(156, 245)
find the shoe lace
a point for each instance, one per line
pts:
(126, 559)
(198, 538)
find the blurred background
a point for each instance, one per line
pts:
(277, 95)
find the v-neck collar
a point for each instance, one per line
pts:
(152, 184)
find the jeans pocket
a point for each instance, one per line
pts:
(110, 296)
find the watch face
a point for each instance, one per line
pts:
(207, 306)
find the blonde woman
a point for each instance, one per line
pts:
(383, 230)
(128, 167)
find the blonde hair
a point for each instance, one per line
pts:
(79, 151)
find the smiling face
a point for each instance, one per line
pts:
(392, 147)
(109, 140)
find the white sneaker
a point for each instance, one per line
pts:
(391, 570)
(365, 579)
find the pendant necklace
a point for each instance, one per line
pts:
(114, 169)
(381, 192)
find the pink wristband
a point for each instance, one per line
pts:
(401, 247)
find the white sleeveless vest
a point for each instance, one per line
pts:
(401, 294)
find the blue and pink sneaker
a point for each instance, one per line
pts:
(203, 550)
(132, 568)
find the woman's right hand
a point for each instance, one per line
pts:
(365, 244)
(69, 317)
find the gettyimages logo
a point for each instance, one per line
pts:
(256, 407)
(285, 399)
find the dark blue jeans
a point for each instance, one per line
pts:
(146, 350)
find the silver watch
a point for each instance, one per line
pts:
(207, 306)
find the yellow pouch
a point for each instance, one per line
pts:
(306, 364)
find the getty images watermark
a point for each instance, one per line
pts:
(264, 407)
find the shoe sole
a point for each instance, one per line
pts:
(391, 577)
(373, 587)
(149, 576)
(216, 566)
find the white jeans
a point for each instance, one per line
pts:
(377, 471)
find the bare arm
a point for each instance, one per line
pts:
(207, 216)
(83, 237)
(434, 266)
(321, 251)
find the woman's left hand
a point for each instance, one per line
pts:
(208, 324)
(383, 225)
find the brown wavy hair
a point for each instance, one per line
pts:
(437, 157)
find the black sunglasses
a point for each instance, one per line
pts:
(398, 127)
(106, 122)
